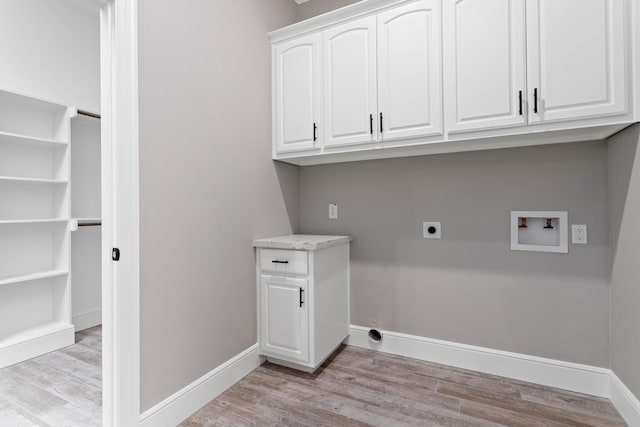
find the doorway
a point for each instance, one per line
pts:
(38, 213)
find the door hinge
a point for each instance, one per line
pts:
(115, 254)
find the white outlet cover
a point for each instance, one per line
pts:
(427, 225)
(579, 234)
(333, 211)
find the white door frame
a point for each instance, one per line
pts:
(120, 213)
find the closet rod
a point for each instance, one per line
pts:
(86, 113)
(91, 224)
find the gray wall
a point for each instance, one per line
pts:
(470, 287)
(51, 50)
(624, 214)
(208, 187)
(318, 7)
(207, 184)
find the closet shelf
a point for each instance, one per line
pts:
(32, 180)
(32, 221)
(33, 276)
(32, 140)
(34, 333)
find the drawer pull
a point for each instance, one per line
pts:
(277, 261)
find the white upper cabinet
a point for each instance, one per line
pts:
(412, 77)
(484, 63)
(410, 71)
(576, 64)
(350, 83)
(297, 94)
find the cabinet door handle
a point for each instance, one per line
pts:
(301, 297)
(277, 261)
(371, 123)
(315, 129)
(381, 128)
(520, 101)
(535, 100)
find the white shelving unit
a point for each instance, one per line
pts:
(35, 284)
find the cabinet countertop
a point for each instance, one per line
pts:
(304, 242)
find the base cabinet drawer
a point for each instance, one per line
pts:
(281, 261)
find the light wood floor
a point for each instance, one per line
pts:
(58, 389)
(359, 387)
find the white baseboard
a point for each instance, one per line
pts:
(585, 379)
(554, 373)
(625, 402)
(88, 319)
(181, 405)
(42, 341)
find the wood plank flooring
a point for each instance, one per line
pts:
(358, 387)
(355, 387)
(59, 389)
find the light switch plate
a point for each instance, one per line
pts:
(579, 234)
(431, 230)
(333, 211)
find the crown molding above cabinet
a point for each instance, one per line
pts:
(390, 78)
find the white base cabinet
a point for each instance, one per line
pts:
(303, 300)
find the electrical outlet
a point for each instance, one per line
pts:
(431, 230)
(333, 211)
(579, 234)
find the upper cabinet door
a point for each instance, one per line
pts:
(350, 105)
(575, 59)
(297, 94)
(410, 71)
(484, 64)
